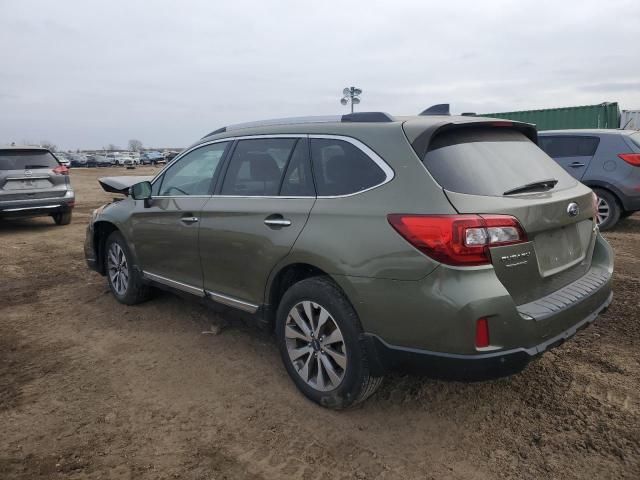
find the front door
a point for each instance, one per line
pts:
(166, 232)
(263, 204)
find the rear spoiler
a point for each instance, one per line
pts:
(121, 184)
(420, 135)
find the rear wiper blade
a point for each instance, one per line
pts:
(540, 185)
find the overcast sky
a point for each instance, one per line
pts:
(84, 74)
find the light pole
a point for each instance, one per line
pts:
(351, 95)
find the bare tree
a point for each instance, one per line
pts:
(47, 144)
(135, 145)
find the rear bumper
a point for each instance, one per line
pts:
(384, 357)
(37, 206)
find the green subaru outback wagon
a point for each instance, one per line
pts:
(367, 242)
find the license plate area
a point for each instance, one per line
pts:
(559, 249)
(27, 184)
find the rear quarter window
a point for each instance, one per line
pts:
(26, 159)
(340, 168)
(490, 161)
(635, 138)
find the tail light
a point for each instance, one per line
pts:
(61, 170)
(462, 240)
(631, 158)
(482, 333)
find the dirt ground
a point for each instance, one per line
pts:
(90, 388)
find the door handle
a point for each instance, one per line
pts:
(576, 164)
(277, 221)
(189, 220)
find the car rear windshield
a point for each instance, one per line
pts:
(635, 138)
(490, 161)
(26, 159)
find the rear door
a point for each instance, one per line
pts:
(256, 216)
(572, 152)
(29, 174)
(480, 170)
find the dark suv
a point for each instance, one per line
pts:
(34, 183)
(607, 161)
(368, 242)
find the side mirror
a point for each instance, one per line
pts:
(141, 191)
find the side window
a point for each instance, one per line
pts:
(298, 181)
(340, 168)
(193, 174)
(257, 166)
(558, 147)
(155, 188)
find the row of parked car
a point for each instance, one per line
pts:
(109, 159)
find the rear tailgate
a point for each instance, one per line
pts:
(29, 174)
(478, 165)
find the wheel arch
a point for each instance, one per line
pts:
(287, 275)
(608, 187)
(101, 231)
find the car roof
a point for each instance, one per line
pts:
(345, 123)
(588, 131)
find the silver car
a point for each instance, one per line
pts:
(34, 183)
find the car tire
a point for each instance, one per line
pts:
(124, 278)
(62, 218)
(627, 214)
(337, 373)
(609, 209)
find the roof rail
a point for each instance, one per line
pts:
(439, 109)
(368, 117)
(351, 117)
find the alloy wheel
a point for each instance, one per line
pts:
(118, 269)
(315, 346)
(603, 211)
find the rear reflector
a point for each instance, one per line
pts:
(482, 333)
(631, 158)
(461, 240)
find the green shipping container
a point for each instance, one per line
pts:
(605, 115)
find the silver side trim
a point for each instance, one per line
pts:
(29, 208)
(233, 302)
(174, 284)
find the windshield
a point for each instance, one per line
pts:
(490, 161)
(26, 159)
(635, 138)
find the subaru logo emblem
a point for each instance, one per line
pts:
(27, 173)
(573, 209)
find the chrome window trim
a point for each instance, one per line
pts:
(384, 166)
(173, 283)
(232, 302)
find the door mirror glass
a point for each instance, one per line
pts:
(141, 191)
